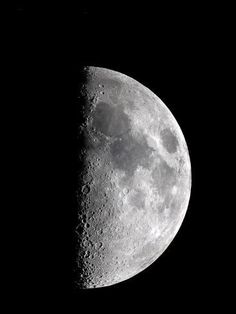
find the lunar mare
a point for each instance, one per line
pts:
(134, 186)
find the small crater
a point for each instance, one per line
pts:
(100, 245)
(99, 232)
(87, 225)
(85, 189)
(86, 254)
(85, 243)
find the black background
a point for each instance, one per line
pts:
(176, 51)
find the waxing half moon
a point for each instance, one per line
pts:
(134, 183)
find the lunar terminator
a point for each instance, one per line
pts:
(134, 179)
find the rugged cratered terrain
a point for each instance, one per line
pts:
(134, 179)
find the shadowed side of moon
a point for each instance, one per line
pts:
(134, 187)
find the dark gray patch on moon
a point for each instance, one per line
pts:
(128, 152)
(110, 120)
(169, 141)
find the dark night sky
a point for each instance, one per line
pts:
(173, 50)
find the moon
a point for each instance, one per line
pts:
(133, 179)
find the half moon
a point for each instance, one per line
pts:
(135, 182)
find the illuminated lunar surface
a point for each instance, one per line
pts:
(134, 179)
